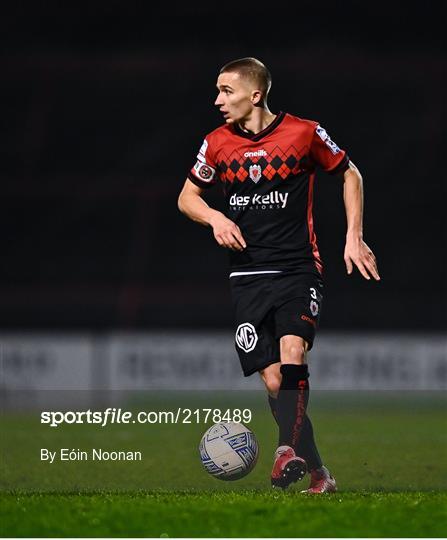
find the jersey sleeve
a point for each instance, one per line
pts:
(204, 174)
(325, 152)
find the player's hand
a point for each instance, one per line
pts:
(227, 233)
(358, 253)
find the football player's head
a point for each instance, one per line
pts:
(242, 85)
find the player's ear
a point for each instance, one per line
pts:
(256, 97)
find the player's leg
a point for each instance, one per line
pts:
(293, 398)
(321, 480)
(306, 447)
(298, 300)
(293, 394)
(287, 466)
(291, 416)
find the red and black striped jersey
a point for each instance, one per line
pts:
(268, 180)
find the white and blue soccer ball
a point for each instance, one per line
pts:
(229, 450)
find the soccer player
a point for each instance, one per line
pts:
(266, 163)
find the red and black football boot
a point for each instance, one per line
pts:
(287, 468)
(321, 481)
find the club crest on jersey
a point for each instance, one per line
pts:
(255, 172)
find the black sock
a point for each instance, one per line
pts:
(273, 402)
(306, 448)
(292, 403)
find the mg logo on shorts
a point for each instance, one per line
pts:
(246, 337)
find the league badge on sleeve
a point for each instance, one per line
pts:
(324, 136)
(204, 171)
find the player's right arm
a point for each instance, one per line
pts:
(226, 232)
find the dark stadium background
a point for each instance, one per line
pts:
(104, 108)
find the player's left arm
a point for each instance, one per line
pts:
(357, 252)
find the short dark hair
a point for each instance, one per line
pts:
(253, 69)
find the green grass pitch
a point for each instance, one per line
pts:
(387, 451)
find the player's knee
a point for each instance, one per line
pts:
(272, 383)
(296, 355)
(293, 350)
(271, 377)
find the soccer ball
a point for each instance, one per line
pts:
(229, 450)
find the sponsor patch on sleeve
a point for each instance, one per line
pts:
(323, 134)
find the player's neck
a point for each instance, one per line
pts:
(259, 120)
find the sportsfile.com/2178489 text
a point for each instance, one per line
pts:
(114, 415)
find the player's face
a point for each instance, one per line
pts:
(236, 98)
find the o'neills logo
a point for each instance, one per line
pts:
(274, 197)
(308, 319)
(258, 153)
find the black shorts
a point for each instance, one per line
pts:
(269, 306)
